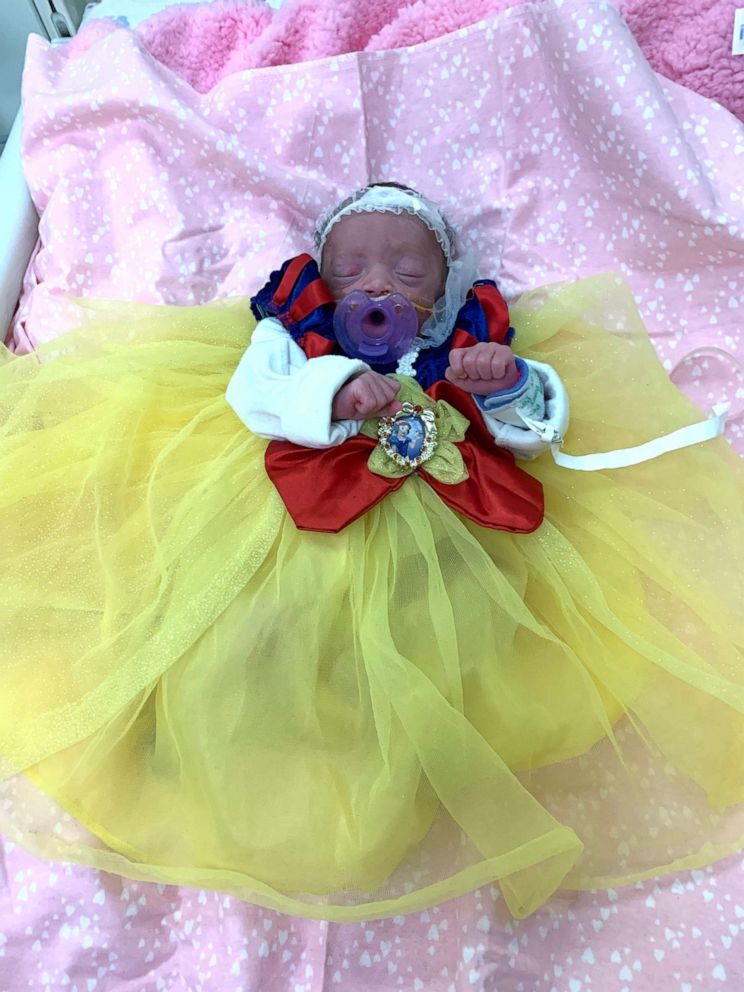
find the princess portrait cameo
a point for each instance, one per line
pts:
(410, 437)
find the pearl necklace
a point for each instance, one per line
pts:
(407, 363)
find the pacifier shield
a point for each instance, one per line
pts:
(379, 330)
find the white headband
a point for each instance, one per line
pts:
(391, 200)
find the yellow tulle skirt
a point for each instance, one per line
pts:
(348, 726)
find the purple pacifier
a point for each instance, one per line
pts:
(378, 331)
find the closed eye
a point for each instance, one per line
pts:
(410, 268)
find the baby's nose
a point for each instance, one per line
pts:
(377, 281)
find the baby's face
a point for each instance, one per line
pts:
(382, 253)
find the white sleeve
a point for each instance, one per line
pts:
(281, 394)
(515, 425)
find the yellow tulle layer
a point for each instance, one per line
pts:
(353, 725)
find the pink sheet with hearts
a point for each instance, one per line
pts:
(558, 153)
(542, 131)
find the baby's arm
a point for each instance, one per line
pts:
(523, 403)
(532, 416)
(281, 394)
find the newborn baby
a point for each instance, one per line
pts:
(301, 379)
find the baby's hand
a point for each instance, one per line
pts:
(369, 395)
(483, 368)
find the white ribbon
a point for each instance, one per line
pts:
(704, 430)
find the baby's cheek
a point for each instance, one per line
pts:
(340, 292)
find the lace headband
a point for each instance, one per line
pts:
(391, 200)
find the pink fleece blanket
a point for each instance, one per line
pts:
(688, 41)
(558, 152)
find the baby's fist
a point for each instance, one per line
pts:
(483, 368)
(369, 395)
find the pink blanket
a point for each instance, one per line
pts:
(688, 41)
(64, 929)
(558, 152)
(543, 131)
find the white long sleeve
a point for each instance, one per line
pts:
(516, 426)
(281, 394)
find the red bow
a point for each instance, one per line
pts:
(326, 489)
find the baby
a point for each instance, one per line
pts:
(383, 253)
(296, 383)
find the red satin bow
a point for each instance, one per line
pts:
(326, 489)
